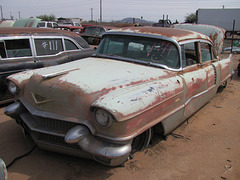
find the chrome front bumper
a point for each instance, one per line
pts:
(100, 149)
(76, 140)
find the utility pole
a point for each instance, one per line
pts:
(91, 14)
(19, 14)
(100, 11)
(1, 13)
(11, 16)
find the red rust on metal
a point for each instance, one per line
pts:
(167, 32)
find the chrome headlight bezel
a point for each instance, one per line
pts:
(102, 118)
(13, 88)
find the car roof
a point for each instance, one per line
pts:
(12, 31)
(106, 27)
(48, 21)
(176, 34)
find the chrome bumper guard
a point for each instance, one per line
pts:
(115, 154)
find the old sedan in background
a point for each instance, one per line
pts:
(30, 48)
(93, 34)
(143, 80)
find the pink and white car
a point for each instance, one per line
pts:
(142, 80)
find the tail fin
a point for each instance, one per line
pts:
(216, 34)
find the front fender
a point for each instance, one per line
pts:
(132, 101)
(21, 78)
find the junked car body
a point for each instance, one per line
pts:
(28, 22)
(93, 34)
(47, 24)
(142, 80)
(30, 48)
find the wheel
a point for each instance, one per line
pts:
(142, 141)
(222, 87)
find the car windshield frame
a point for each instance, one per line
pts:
(145, 44)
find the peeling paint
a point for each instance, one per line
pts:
(136, 96)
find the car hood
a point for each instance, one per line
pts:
(80, 83)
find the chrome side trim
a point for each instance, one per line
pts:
(197, 95)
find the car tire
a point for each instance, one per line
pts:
(142, 141)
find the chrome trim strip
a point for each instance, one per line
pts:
(197, 95)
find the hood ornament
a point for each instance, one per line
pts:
(55, 74)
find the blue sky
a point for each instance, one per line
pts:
(151, 10)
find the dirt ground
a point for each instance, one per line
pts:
(206, 147)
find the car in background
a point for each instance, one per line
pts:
(163, 23)
(93, 34)
(75, 29)
(28, 22)
(142, 81)
(70, 24)
(47, 24)
(7, 23)
(22, 49)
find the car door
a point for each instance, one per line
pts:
(207, 63)
(195, 78)
(16, 56)
(49, 51)
(56, 50)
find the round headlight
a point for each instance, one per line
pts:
(102, 117)
(12, 87)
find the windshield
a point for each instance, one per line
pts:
(141, 48)
(93, 30)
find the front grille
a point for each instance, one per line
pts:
(54, 124)
(50, 131)
(51, 139)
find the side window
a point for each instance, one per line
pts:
(41, 24)
(48, 46)
(102, 30)
(17, 48)
(70, 45)
(2, 50)
(49, 25)
(189, 54)
(55, 25)
(206, 52)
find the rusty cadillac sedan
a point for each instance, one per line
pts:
(30, 48)
(142, 80)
